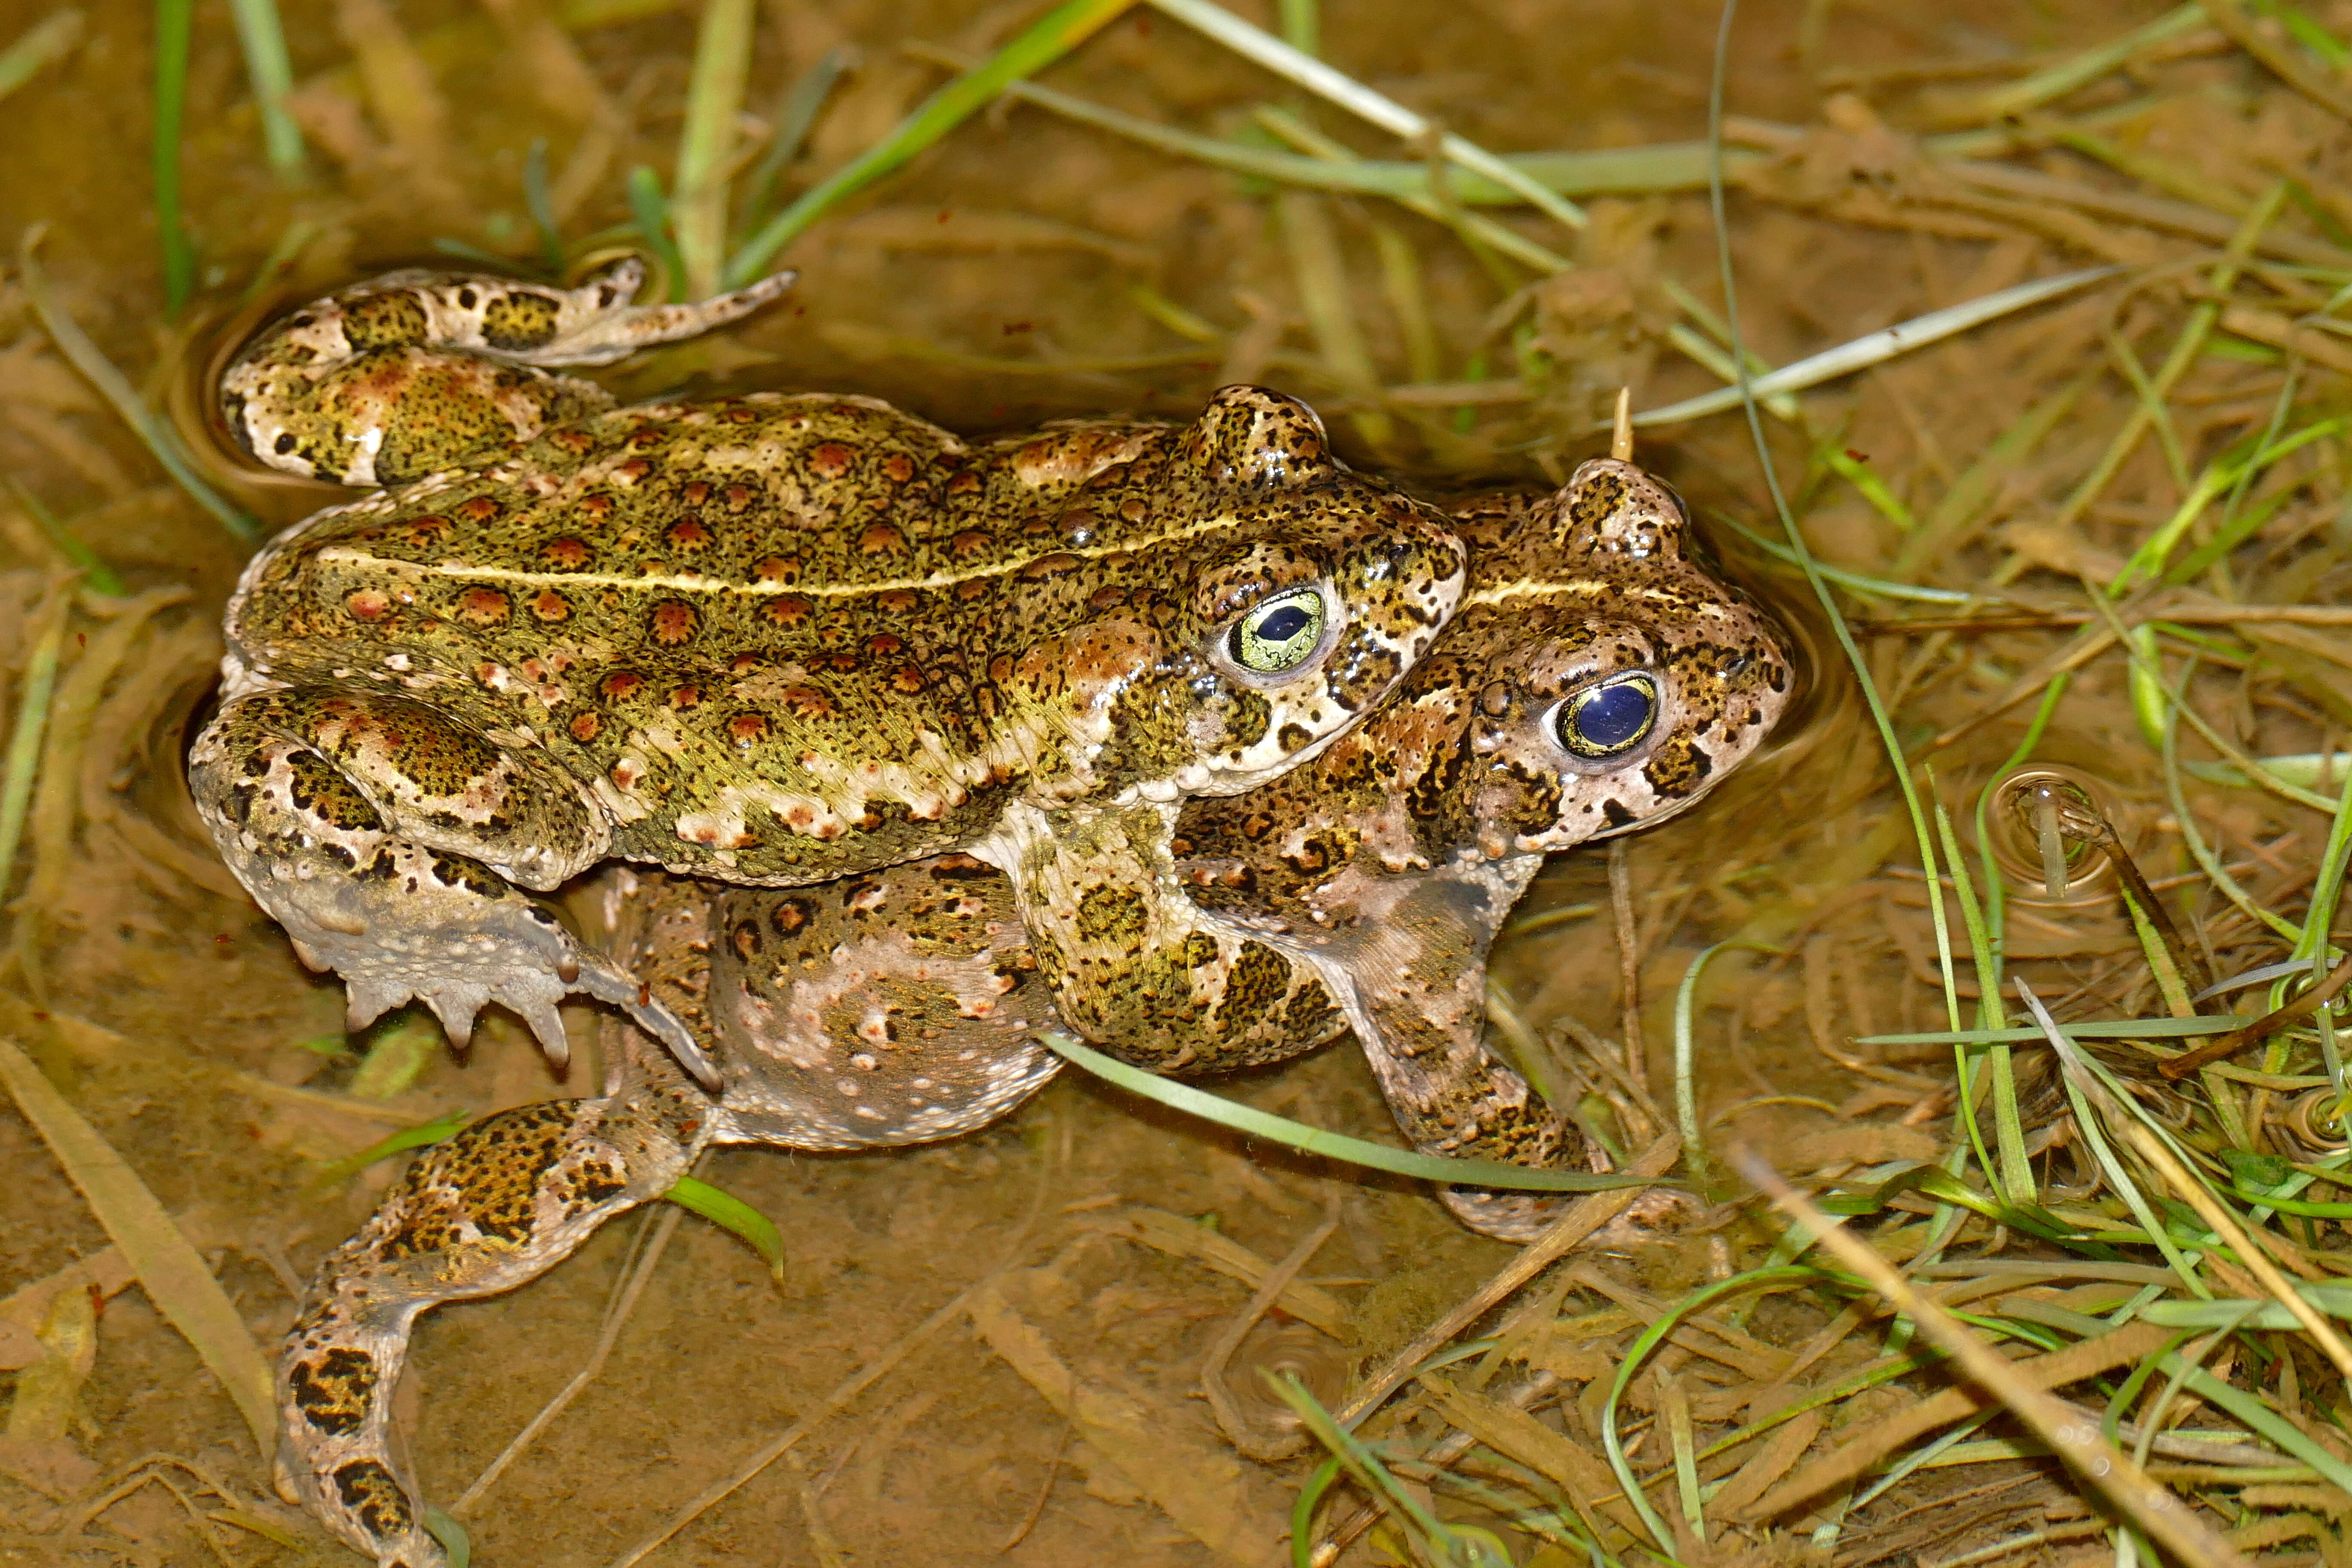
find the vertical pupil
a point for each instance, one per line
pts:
(1614, 715)
(1283, 625)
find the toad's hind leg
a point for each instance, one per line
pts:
(385, 839)
(496, 1205)
(414, 371)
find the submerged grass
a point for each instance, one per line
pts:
(174, 29)
(176, 1281)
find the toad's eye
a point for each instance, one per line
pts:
(1279, 634)
(1609, 718)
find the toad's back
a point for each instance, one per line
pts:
(814, 610)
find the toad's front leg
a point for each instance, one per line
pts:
(1133, 965)
(386, 838)
(1414, 982)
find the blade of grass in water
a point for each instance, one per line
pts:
(1038, 46)
(2093, 1029)
(1878, 587)
(1256, 44)
(1363, 1465)
(724, 1209)
(802, 103)
(175, 21)
(2080, 1078)
(1745, 394)
(94, 572)
(1629, 171)
(95, 369)
(24, 758)
(1876, 348)
(714, 100)
(1686, 1053)
(2011, 1174)
(651, 210)
(2147, 561)
(423, 1135)
(39, 45)
(1307, 1140)
(271, 75)
(538, 200)
(1480, 230)
(176, 1281)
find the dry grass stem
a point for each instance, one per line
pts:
(2072, 1435)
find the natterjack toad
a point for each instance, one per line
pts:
(1597, 680)
(769, 639)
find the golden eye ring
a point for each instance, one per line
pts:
(1608, 718)
(1280, 632)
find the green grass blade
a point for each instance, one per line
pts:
(421, 1135)
(2147, 561)
(714, 102)
(1363, 1464)
(2251, 1408)
(450, 1534)
(1473, 229)
(2078, 1067)
(1877, 587)
(1857, 473)
(1337, 87)
(1631, 1363)
(1337, 1146)
(802, 103)
(538, 200)
(2013, 1173)
(651, 210)
(1686, 1051)
(1302, 1511)
(24, 760)
(1038, 46)
(174, 21)
(2094, 1029)
(95, 368)
(271, 75)
(94, 570)
(725, 1209)
(2057, 81)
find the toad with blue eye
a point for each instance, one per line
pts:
(1584, 688)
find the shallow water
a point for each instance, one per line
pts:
(175, 1018)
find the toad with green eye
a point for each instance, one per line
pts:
(771, 639)
(1597, 680)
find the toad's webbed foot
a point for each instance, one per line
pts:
(380, 836)
(417, 371)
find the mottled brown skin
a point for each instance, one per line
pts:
(903, 1005)
(773, 640)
